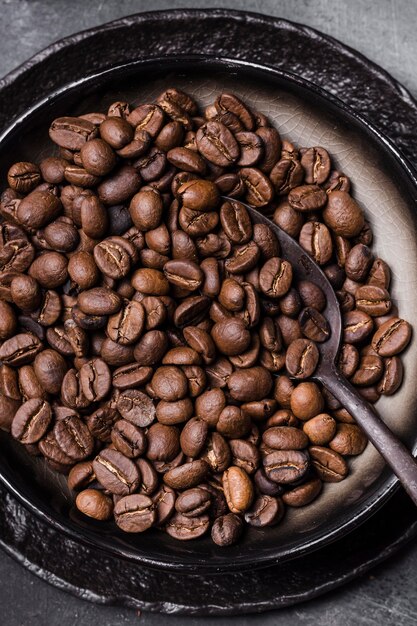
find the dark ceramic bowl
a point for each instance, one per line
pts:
(383, 183)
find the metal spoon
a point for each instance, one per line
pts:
(398, 457)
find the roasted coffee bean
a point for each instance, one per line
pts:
(285, 438)
(209, 405)
(238, 489)
(233, 422)
(302, 358)
(343, 215)
(250, 384)
(95, 504)
(317, 165)
(227, 529)
(303, 494)
(307, 198)
(217, 144)
(99, 301)
(23, 177)
(369, 371)
(390, 339)
(128, 439)
(193, 437)
(8, 321)
(306, 401)
(176, 412)
(329, 465)
(315, 238)
(286, 466)
(265, 511)
(95, 379)
(131, 376)
(185, 528)
(314, 325)
(20, 349)
(163, 442)
(392, 376)
(320, 429)
(31, 421)
(193, 502)
(136, 407)
(72, 132)
(100, 422)
(81, 475)
(187, 475)
(73, 436)
(236, 222)
(50, 368)
(275, 277)
(357, 326)
(134, 513)
(116, 472)
(259, 189)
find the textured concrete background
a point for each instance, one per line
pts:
(384, 31)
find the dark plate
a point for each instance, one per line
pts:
(383, 182)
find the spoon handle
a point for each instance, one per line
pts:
(389, 446)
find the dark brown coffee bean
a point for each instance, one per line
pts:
(329, 465)
(31, 421)
(231, 336)
(95, 504)
(136, 407)
(392, 376)
(23, 176)
(185, 528)
(197, 223)
(115, 472)
(390, 339)
(343, 215)
(176, 412)
(134, 513)
(265, 511)
(259, 189)
(286, 174)
(275, 277)
(307, 198)
(373, 300)
(120, 186)
(131, 376)
(100, 422)
(217, 144)
(315, 238)
(306, 401)
(50, 368)
(303, 494)
(286, 466)
(151, 348)
(50, 449)
(209, 405)
(81, 475)
(99, 301)
(320, 429)
(128, 439)
(285, 438)
(193, 502)
(379, 274)
(20, 349)
(193, 437)
(8, 321)
(72, 132)
(316, 163)
(250, 384)
(97, 157)
(314, 325)
(302, 358)
(227, 529)
(163, 442)
(349, 440)
(357, 325)
(169, 383)
(126, 326)
(73, 436)
(187, 475)
(233, 423)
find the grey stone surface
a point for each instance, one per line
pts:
(384, 31)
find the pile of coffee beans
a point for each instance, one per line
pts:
(155, 346)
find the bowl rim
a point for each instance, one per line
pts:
(374, 502)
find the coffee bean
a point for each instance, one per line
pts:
(302, 358)
(390, 339)
(31, 421)
(126, 326)
(329, 465)
(95, 504)
(95, 379)
(81, 475)
(20, 349)
(314, 325)
(134, 513)
(238, 489)
(227, 529)
(317, 164)
(320, 429)
(307, 198)
(286, 466)
(23, 177)
(392, 376)
(136, 407)
(306, 401)
(265, 511)
(303, 494)
(115, 472)
(72, 132)
(357, 325)
(74, 438)
(275, 277)
(343, 215)
(50, 369)
(185, 528)
(8, 321)
(176, 412)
